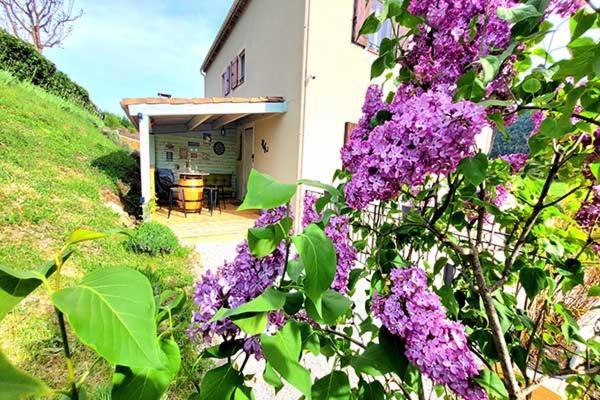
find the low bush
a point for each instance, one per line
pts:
(154, 239)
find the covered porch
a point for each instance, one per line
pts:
(208, 139)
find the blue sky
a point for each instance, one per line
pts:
(136, 48)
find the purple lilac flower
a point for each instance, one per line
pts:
(538, 116)
(517, 161)
(427, 134)
(236, 283)
(338, 231)
(435, 344)
(588, 216)
(502, 196)
(564, 8)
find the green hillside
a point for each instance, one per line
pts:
(58, 172)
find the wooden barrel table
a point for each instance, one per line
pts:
(192, 185)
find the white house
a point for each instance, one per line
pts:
(283, 82)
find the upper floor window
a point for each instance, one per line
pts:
(362, 9)
(234, 74)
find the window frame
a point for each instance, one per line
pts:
(241, 72)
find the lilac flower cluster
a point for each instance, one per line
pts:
(427, 134)
(338, 231)
(517, 161)
(236, 283)
(564, 8)
(588, 216)
(445, 45)
(435, 344)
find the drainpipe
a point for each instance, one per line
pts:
(305, 79)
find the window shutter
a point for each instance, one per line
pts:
(234, 80)
(348, 128)
(362, 9)
(227, 80)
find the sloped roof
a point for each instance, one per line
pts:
(200, 100)
(234, 14)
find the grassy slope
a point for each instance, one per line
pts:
(55, 165)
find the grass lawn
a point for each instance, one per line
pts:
(56, 171)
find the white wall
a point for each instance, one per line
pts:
(341, 71)
(271, 33)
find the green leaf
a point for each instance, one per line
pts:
(533, 280)
(82, 235)
(498, 120)
(253, 324)
(15, 285)
(492, 383)
(580, 23)
(371, 25)
(271, 299)
(263, 241)
(532, 85)
(223, 350)
(147, 383)
(334, 386)
(220, 383)
(169, 302)
(334, 305)
(378, 66)
(382, 358)
(293, 302)
(319, 259)
(264, 192)
(272, 378)
(490, 66)
(595, 168)
(470, 87)
(112, 311)
(15, 384)
(518, 13)
(594, 291)
(282, 351)
(333, 191)
(371, 391)
(448, 300)
(474, 168)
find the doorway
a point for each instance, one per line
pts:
(247, 151)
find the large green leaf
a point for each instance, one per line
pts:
(271, 299)
(15, 285)
(490, 66)
(263, 241)
(533, 280)
(381, 358)
(492, 383)
(470, 87)
(112, 311)
(220, 383)
(371, 391)
(282, 351)
(474, 168)
(334, 386)
(147, 383)
(518, 13)
(265, 192)
(333, 191)
(333, 303)
(319, 259)
(15, 384)
(371, 25)
(272, 378)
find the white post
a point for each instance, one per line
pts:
(144, 122)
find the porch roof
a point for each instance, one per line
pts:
(191, 114)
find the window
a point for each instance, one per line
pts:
(362, 9)
(234, 73)
(241, 61)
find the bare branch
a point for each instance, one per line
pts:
(43, 23)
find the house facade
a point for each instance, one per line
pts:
(283, 82)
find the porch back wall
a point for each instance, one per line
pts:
(207, 161)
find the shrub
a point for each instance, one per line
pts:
(25, 63)
(153, 238)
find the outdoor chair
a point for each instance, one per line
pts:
(211, 197)
(174, 193)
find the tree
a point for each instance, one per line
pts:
(43, 23)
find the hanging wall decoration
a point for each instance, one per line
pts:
(183, 153)
(170, 146)
(207, 138)
(169, 156)
(206, 156)
(264, 145)
(219, 148)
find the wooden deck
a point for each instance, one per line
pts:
(229, 225)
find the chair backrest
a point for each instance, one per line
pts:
(218, 180)
(163, 180)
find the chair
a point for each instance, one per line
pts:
(164, 180)
(177, 191)
(210, 194)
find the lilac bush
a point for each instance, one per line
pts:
(468, 262)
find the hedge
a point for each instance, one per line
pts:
(25, 63)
